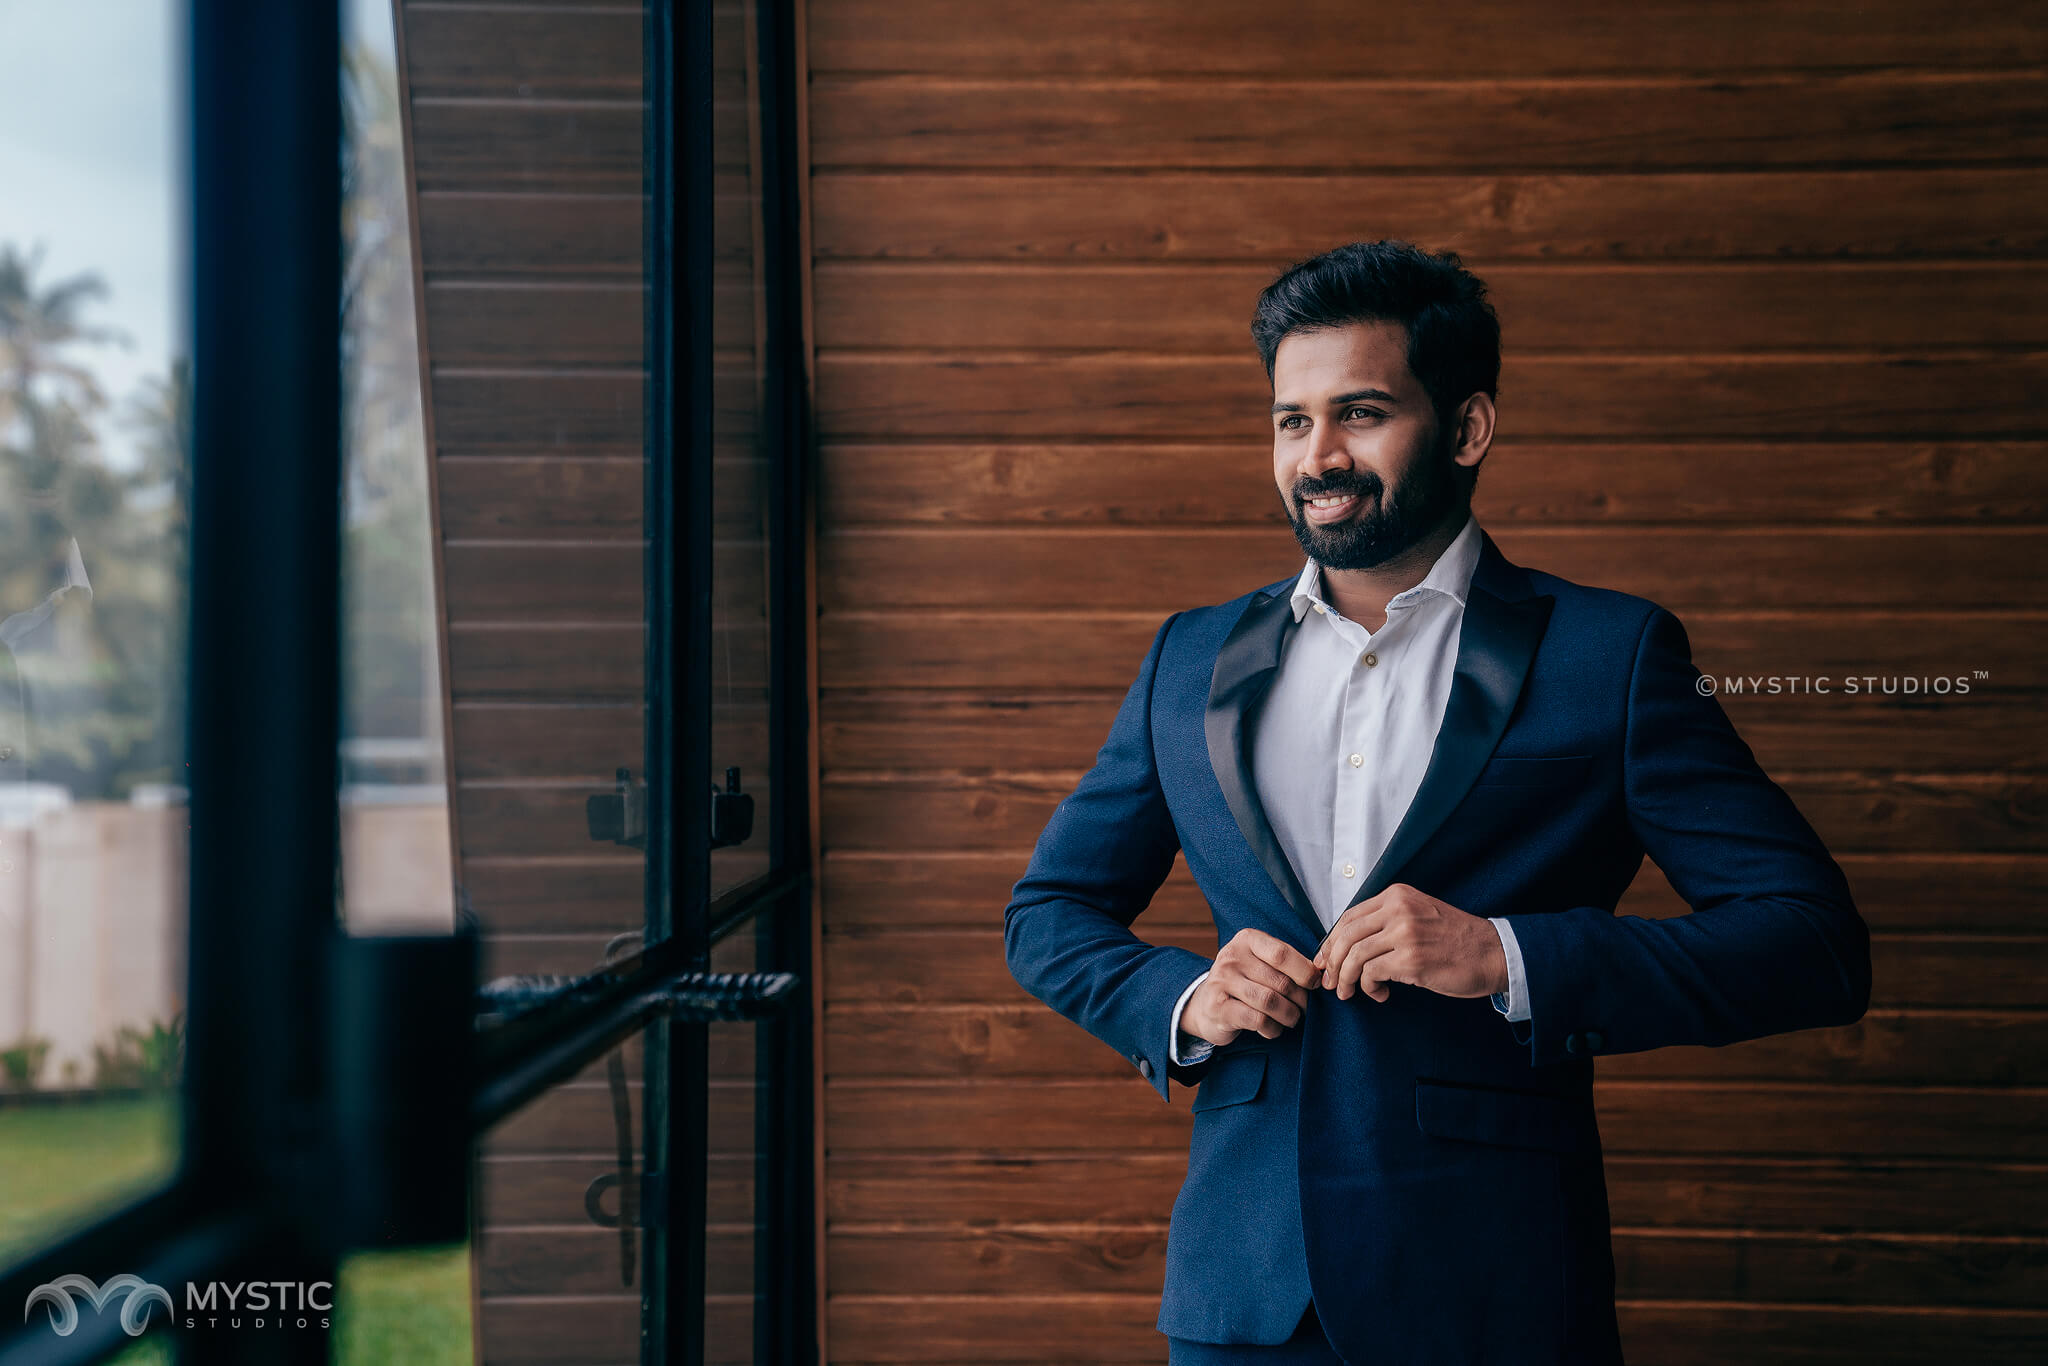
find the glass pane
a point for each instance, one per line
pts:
(397, 862)
(731, 1232)
(93, 606)
(559, 1262)
(740, 470)
(522, 138)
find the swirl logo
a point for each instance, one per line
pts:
(139, 1296)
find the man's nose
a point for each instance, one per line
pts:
(1325, 450)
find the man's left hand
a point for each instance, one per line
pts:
(1401, 935)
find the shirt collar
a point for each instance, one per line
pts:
(1450, 576)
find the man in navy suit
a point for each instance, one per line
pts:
(1412, 782)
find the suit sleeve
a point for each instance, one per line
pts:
(1106, 850)
(1773, 943)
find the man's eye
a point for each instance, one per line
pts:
(1350, 413)
(1288, 423)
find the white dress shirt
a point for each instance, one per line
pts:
(1344, 736)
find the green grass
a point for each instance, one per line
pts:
(60, 1165)
(408, 1307)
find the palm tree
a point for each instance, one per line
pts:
(46, 398)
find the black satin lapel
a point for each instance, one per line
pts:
(1244, 670)
(1495, 646)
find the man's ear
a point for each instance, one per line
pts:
(1475, 418)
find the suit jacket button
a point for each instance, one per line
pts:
(1145, 1068)
(1571, 1043)
(1595, 1040)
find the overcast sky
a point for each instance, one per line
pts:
(90, 112)
(87, 137)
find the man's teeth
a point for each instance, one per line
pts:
(1332, 501)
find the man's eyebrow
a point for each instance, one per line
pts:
(1377, 395)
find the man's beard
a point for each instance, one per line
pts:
(1383, 527)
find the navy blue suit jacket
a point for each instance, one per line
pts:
(1428, 1171)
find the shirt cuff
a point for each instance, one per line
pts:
(1198, 1049)
(1514, 1002)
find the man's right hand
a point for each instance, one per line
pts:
(1259, 982)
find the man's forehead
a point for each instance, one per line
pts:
(1321, 364)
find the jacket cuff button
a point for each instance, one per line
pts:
(1595, 1040)
(1145, 1068)
(1571, 1043)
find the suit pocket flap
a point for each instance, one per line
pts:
(1232, 1079)
(1507, 1119)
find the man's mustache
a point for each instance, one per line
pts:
(1337, 483)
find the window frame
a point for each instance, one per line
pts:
(253, 1196)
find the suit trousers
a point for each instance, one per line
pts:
(1306, 1347)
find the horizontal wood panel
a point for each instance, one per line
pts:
(1679, 567)
(575, 322)
(997, 647)
(537, 497)
(466, 232)
(925, 967)
(602, 1331)
(1953, 893)
(523, 50)
(561, 661)
(577, 1118)
(583, 145)
(1984, 1047)
(1699, 1118)
(1121, 1328)
(599, 889)
(952, 395)
(575, 412)
(531, 323)
(1128, 1259)
(587, 413)
(556, 497)
(548, 49)
(510, 740)
(1303, 120)
(588, 742)
(564, 662)
(1562, 216)
(550, 231)
(583, 582)
(1728, 306)
(911, 731)
(549, 817)
(1494, 38)
(585, 1261)
(1989, 813)
(550, 1190)
(1525, 480)
(960, 1190)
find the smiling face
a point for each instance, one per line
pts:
(1357, 454)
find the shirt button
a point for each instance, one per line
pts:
(1357, 760)
(1371, 660)
(1319, 608)
(1349, 871)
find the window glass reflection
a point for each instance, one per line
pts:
(93, 500)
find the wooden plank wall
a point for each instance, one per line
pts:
(525, 133)
(1772, 282)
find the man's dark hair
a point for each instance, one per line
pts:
(1453, 335)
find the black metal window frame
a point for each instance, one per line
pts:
(270, 1176)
